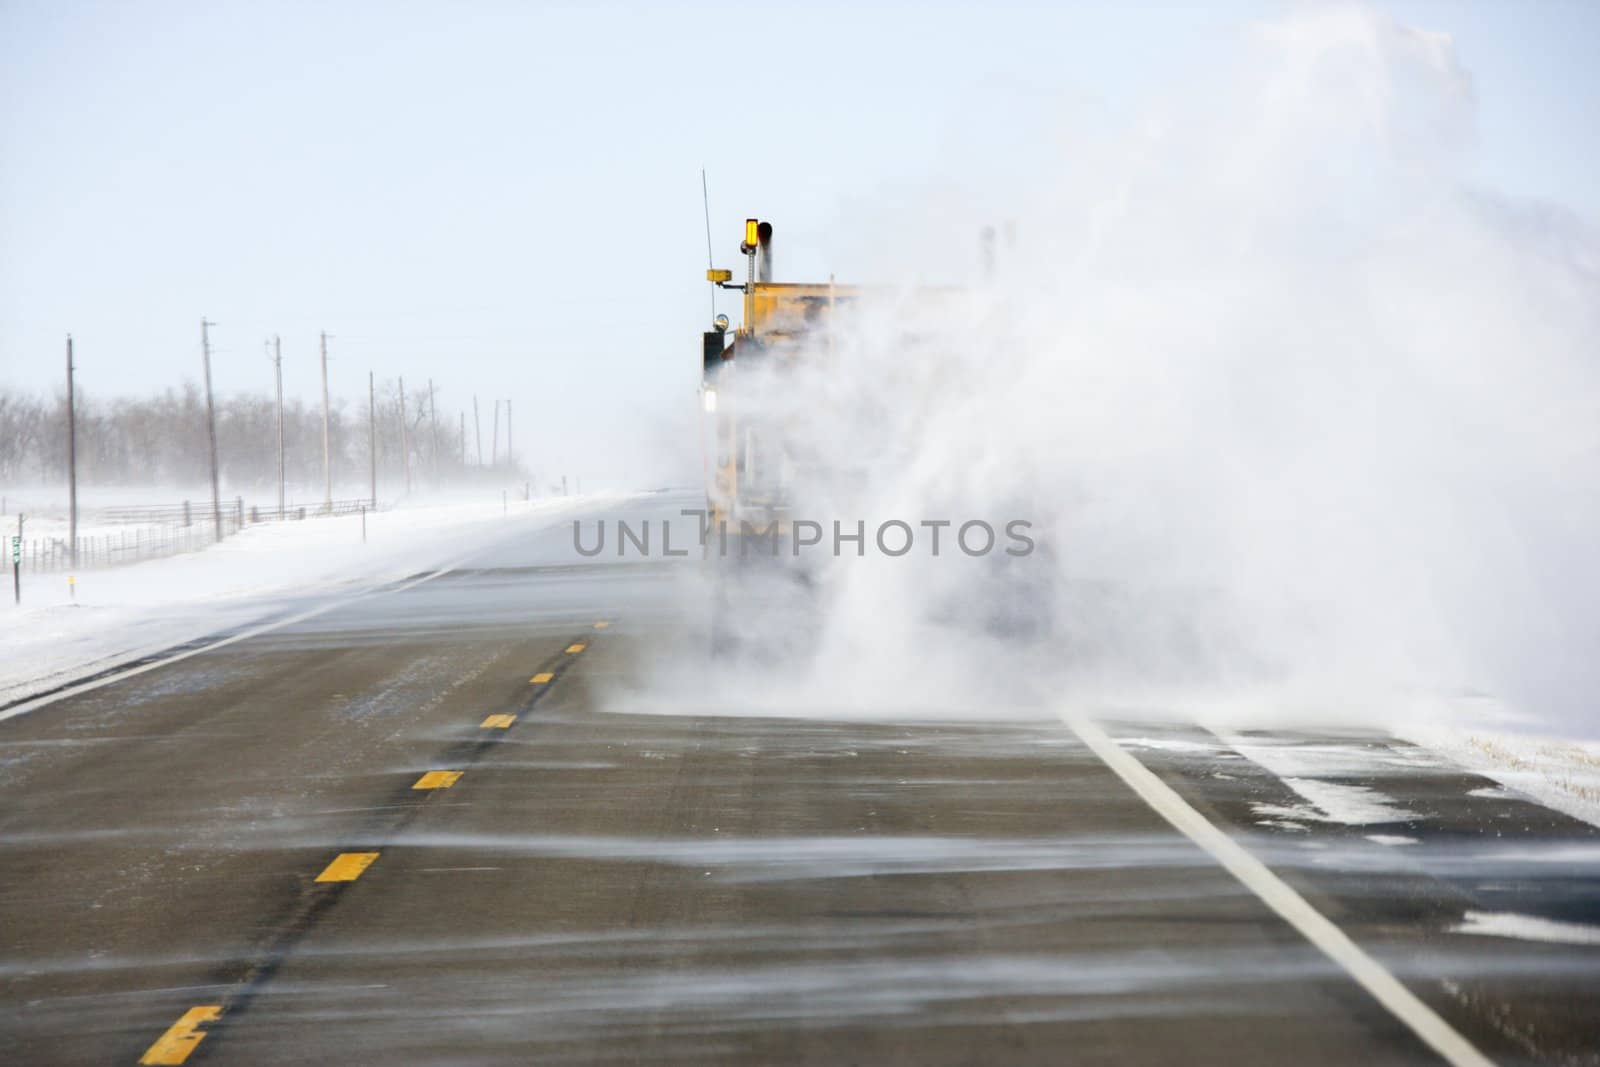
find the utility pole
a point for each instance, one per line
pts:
(477, 428)
(405, 437)
(72, 460)
(327, 461)
(277, 366)
(511, 457)
(433, 425)
(494, 442)
(211, 428)
(372, 437)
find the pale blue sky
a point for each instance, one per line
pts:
(507, 196)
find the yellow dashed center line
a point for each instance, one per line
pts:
(347, 866)
(181, 1037)
(437, 780)
(184, 1036)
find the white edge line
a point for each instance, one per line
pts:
(254, 631)
(1276, 894)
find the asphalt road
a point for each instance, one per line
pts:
(587, 886)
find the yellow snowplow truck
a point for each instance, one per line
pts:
(759, 465)
(755, 466)
(749, 475)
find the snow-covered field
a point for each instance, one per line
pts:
(117, 614)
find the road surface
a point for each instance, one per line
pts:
(236, 858)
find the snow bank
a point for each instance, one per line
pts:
(119, 614)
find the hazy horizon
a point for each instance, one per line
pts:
(507, 198)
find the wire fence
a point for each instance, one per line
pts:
(189, 513)
(155, 531)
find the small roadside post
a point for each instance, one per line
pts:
(72, 587)
(16, 561)
(363, 524)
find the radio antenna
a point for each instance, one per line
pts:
(705, 197)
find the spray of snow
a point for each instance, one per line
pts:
(1305, 421)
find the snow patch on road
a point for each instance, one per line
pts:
(1333, 802)
(1353, 805)
(1172, 744)
(1558, 773)
(1305, 767)
(1356, 758)
(1527, 928)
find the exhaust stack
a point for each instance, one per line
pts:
(764, 252)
